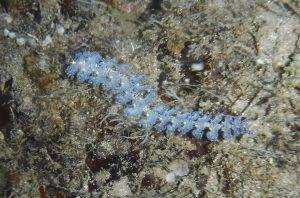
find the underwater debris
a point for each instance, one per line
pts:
(143, 107)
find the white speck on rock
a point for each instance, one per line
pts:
(21, 41)
(6, 32)
(8, 18)
(170, 177)
(262, 61)
(60, 30)
(197, 66)
(12, 35)
(47, 40)
(187, 80)
(179, 169)
(121, 188)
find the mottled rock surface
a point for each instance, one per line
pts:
(62, 138)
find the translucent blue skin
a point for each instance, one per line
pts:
(141, 103)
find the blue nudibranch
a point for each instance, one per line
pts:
(141, 102)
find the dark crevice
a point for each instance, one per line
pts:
(5, 104)
(187, 61)
(37, 13)
(155, 5)
(114, 164)
(4, 116)
(4, 4)
(67, 8)
(185, 64)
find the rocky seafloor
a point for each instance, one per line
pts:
(64, 138)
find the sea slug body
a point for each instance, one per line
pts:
(141, 103)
